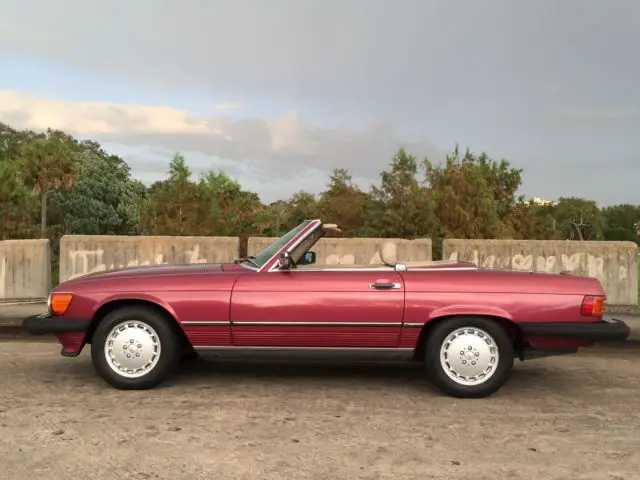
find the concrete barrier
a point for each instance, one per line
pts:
(25, 270)
(83, 254)
(334, 251)
(615, 264)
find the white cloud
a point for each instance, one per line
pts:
(97, 118)
(283, 148)
(226, 106)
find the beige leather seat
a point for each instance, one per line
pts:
(388, 253)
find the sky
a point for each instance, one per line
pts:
(277, 93)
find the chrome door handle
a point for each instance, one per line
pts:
(384, 285)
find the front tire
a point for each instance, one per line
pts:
(134, 348)
(469, 357)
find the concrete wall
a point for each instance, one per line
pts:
(25, 270)
(613, 263)
(83, 254)
(332, 251)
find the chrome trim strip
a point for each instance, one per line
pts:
(439, 269)
(341, 269)
(299, 324)
(329, 268)
(190, 323)
(205, 324)
(317, 324)
(302, 349)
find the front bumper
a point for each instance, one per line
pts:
(46, 323)
(606, 330)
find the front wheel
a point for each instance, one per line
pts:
(469, 357)
(134, 348)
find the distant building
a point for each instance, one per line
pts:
(540, 201)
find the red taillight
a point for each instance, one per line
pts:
(593, 306)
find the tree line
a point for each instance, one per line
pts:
(53, 184)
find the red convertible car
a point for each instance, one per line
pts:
(466, 324)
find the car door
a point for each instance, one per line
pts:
(318, 308)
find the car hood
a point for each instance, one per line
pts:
(150, 270)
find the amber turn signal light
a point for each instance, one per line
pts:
(59, 302)
(593, 306)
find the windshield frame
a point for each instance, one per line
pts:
(261, 259)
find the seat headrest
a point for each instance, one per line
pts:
(388, 254)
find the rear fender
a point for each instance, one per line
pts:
(497, 315)
(469, 310)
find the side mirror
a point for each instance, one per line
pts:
(285, 260)
(308, 259)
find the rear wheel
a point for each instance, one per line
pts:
(134, 348)
(469, 357)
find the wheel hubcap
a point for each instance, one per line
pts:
(132, 348)
(469, 356)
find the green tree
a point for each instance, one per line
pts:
(12, 141)
(172, 205)
(17, 205)
(276, 218)
(104, 199)
(224, 207)
(578, 219)
(272, 220)
(302, 206)
(343, 203)
(473, 196)
(401, 206)
(46, 164)
(622, 223)
(531, 221)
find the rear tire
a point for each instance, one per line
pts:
(469, 357)
(134, 348)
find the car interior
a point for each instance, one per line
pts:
(386, 255)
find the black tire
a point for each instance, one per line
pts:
(188, 354)
(165, 362)
(438, 373)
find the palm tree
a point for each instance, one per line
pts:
(46, 164)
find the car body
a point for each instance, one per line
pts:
(467, 324)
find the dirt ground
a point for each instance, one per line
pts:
(573, 417)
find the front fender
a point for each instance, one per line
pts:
(136, 296)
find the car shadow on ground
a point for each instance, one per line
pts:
(530, 378)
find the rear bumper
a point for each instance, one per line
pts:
(46, 323)
(607, 330)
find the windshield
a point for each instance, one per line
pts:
(265, 255)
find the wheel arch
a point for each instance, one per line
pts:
(510, 327)
(115, 304)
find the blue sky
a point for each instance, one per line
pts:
(550, 86)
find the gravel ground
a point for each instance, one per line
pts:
(573, 417)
